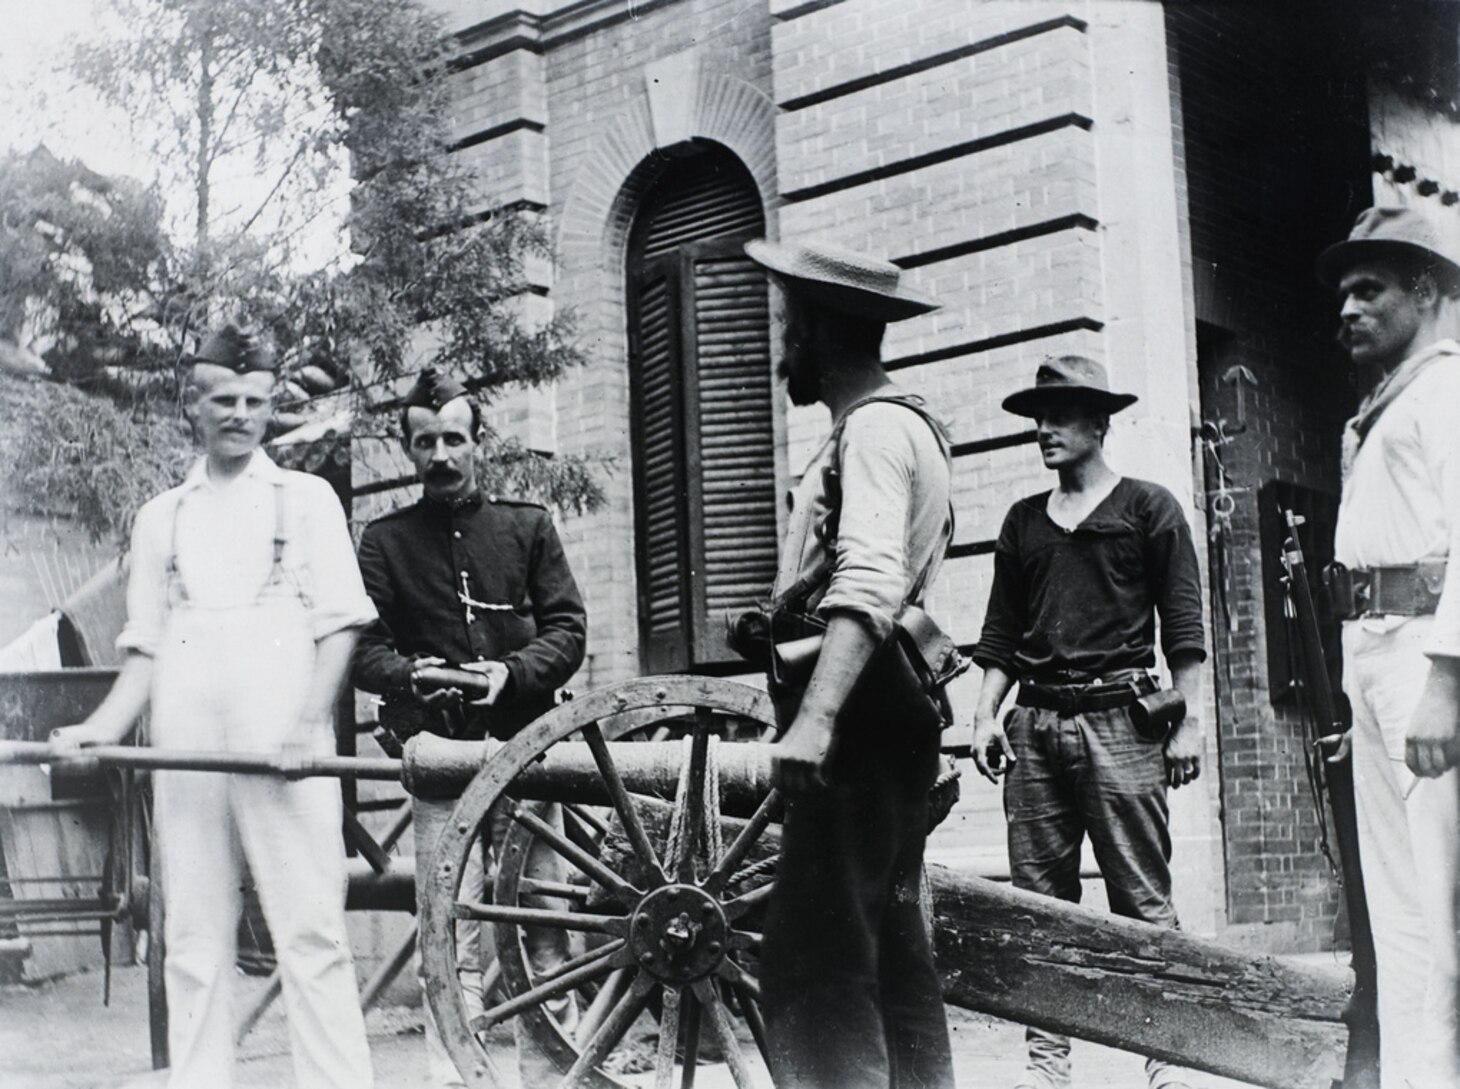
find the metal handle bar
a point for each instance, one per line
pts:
(157, 759)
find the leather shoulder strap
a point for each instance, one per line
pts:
(802, 590)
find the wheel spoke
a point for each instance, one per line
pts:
(576, 855)
(623, 804)
(768, 810)
(750, 1004)
(612, 1030)
(592, 820)
(691, 819)
(691, 1041)
(595, 966)
(607, 997)
(668, 1039)
(746, 939)
(601, 953)
(724, 1033)
(737, 907)
(524, 916)
(736, 975)
(555, 890)
(582, 833)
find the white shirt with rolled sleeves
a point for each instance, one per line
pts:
(224, 541)
(1401, 504)
(895, 488)
(1401, 497)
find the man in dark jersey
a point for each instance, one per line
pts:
(1079, 575)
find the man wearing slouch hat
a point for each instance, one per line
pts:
(480, 584)
(1396, 583)
(851, 996)
(243, 601)
(1080, 573)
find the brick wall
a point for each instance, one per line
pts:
(1272, 142)
(953, 139)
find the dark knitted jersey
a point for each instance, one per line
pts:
(1085, 600)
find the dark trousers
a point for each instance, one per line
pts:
(1088, 774)
(850, 994)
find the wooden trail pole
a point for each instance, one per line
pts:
(1138, 987)
(1126, 984)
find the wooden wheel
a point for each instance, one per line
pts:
(661, 900)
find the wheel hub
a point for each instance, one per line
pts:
(678, 933)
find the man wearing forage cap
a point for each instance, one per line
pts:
(851, 997)
(1080, 573)
(477, 582)
(1397, 585)
(243, 603)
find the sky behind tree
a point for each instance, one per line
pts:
(46, 103)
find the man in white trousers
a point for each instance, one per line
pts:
(1396, 583)
(243, 604)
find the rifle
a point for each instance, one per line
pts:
(1333, 775)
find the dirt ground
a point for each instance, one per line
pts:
(58, 1035)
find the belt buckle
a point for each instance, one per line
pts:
(1363, 589)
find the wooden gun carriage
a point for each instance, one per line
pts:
(655, 796)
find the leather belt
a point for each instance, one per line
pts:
(1411, 589)
(1077, 699)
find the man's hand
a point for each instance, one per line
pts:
(1335, 747)
(497, 676)
(992, 753)
(1183, 753)
(427, 696)
(1432, 745)
(70, 739)
(798, 760)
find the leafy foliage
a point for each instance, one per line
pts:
(75, 454)
(93, 250)
(339, 111)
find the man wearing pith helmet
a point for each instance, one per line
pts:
(851, 998)
(243, 604)
(1397, 585)
(1080, 573)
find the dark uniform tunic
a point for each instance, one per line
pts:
(483, 579)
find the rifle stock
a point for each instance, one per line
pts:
(1334, 777)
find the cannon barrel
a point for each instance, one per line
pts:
(437, 767)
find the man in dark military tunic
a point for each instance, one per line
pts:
(472, 581)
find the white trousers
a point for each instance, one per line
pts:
(235, 680)
(1409, 833)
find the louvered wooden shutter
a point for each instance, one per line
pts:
(704, 473)
(736, 479)
(660, 514)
